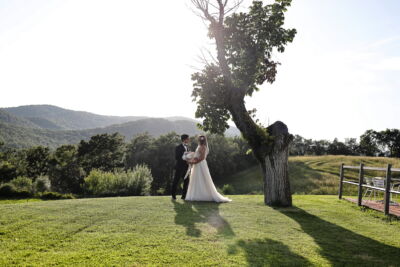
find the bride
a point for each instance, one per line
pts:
(201, 186)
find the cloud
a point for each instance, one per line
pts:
(388, 64)
(382, 42)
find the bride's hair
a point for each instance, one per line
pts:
(202, 140)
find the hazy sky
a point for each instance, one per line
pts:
(338, 78)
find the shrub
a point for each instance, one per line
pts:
(23, 193)
(228, 189)
(139, 181)
(98, 183)
(22, 183)
(8, 171)
(219, 190)
(136, 182)
(42, 184)
(9, 190)
(55, 195)
(160, 191)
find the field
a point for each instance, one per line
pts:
(311, 174)
(319, 230)
(137, 231)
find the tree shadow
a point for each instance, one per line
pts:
(341, 246)
(189, 213)
(268, 252)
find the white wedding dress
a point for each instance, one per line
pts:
(201, 186)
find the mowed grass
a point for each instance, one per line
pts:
(139, 231)
(17, 200)
(312, 174)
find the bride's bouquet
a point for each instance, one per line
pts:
(188, 156)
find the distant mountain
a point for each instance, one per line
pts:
(153, 126)
(180, 118)
(44, 124)
(42, 128)
(56, 118)
(20, 137)
(6, 117)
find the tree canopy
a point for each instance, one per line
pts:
(245, 44)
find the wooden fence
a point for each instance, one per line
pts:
(388, 180)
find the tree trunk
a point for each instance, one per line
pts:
(275, 168)
(273, 157)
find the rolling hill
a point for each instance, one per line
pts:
(318, 175)
(52, 126)
(53, 117)
(9, 118)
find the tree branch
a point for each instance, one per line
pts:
(217, 29)
(221, 11)
(202, 5)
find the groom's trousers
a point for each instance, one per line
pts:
(180, 174)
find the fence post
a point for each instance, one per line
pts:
(387, 188)
(341, 181)
(360, 182)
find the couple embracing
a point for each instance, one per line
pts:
(192, 167)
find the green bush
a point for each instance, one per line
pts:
(9, 190)
(22, 183)
(23, 193)
(139, 181)
(8, 171)
(55, 195)
(98, 182)
(160, 191)
(42, 184)
(136, 182)
(228, 189)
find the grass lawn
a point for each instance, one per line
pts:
(318, 175)
(17, 200)
(136, 231)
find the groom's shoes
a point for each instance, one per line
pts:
(173, 197)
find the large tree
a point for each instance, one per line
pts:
(37, 160)
(245, 43)
(369, 143)
(65, 172)
(103, 151)
(389, 139)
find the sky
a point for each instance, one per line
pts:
(340, 76)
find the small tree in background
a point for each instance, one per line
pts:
(245, 43)
(37, 160)
(139, 150)
(389, 139)
(368, 143)
(65, 172)
(338, 148)
(103, 151)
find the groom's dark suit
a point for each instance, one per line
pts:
(181, 168)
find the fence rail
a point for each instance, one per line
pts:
(361, 185)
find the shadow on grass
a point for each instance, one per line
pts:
(189, 213)
(341, 246)
(268, 252)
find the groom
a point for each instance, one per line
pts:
(181, 167)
